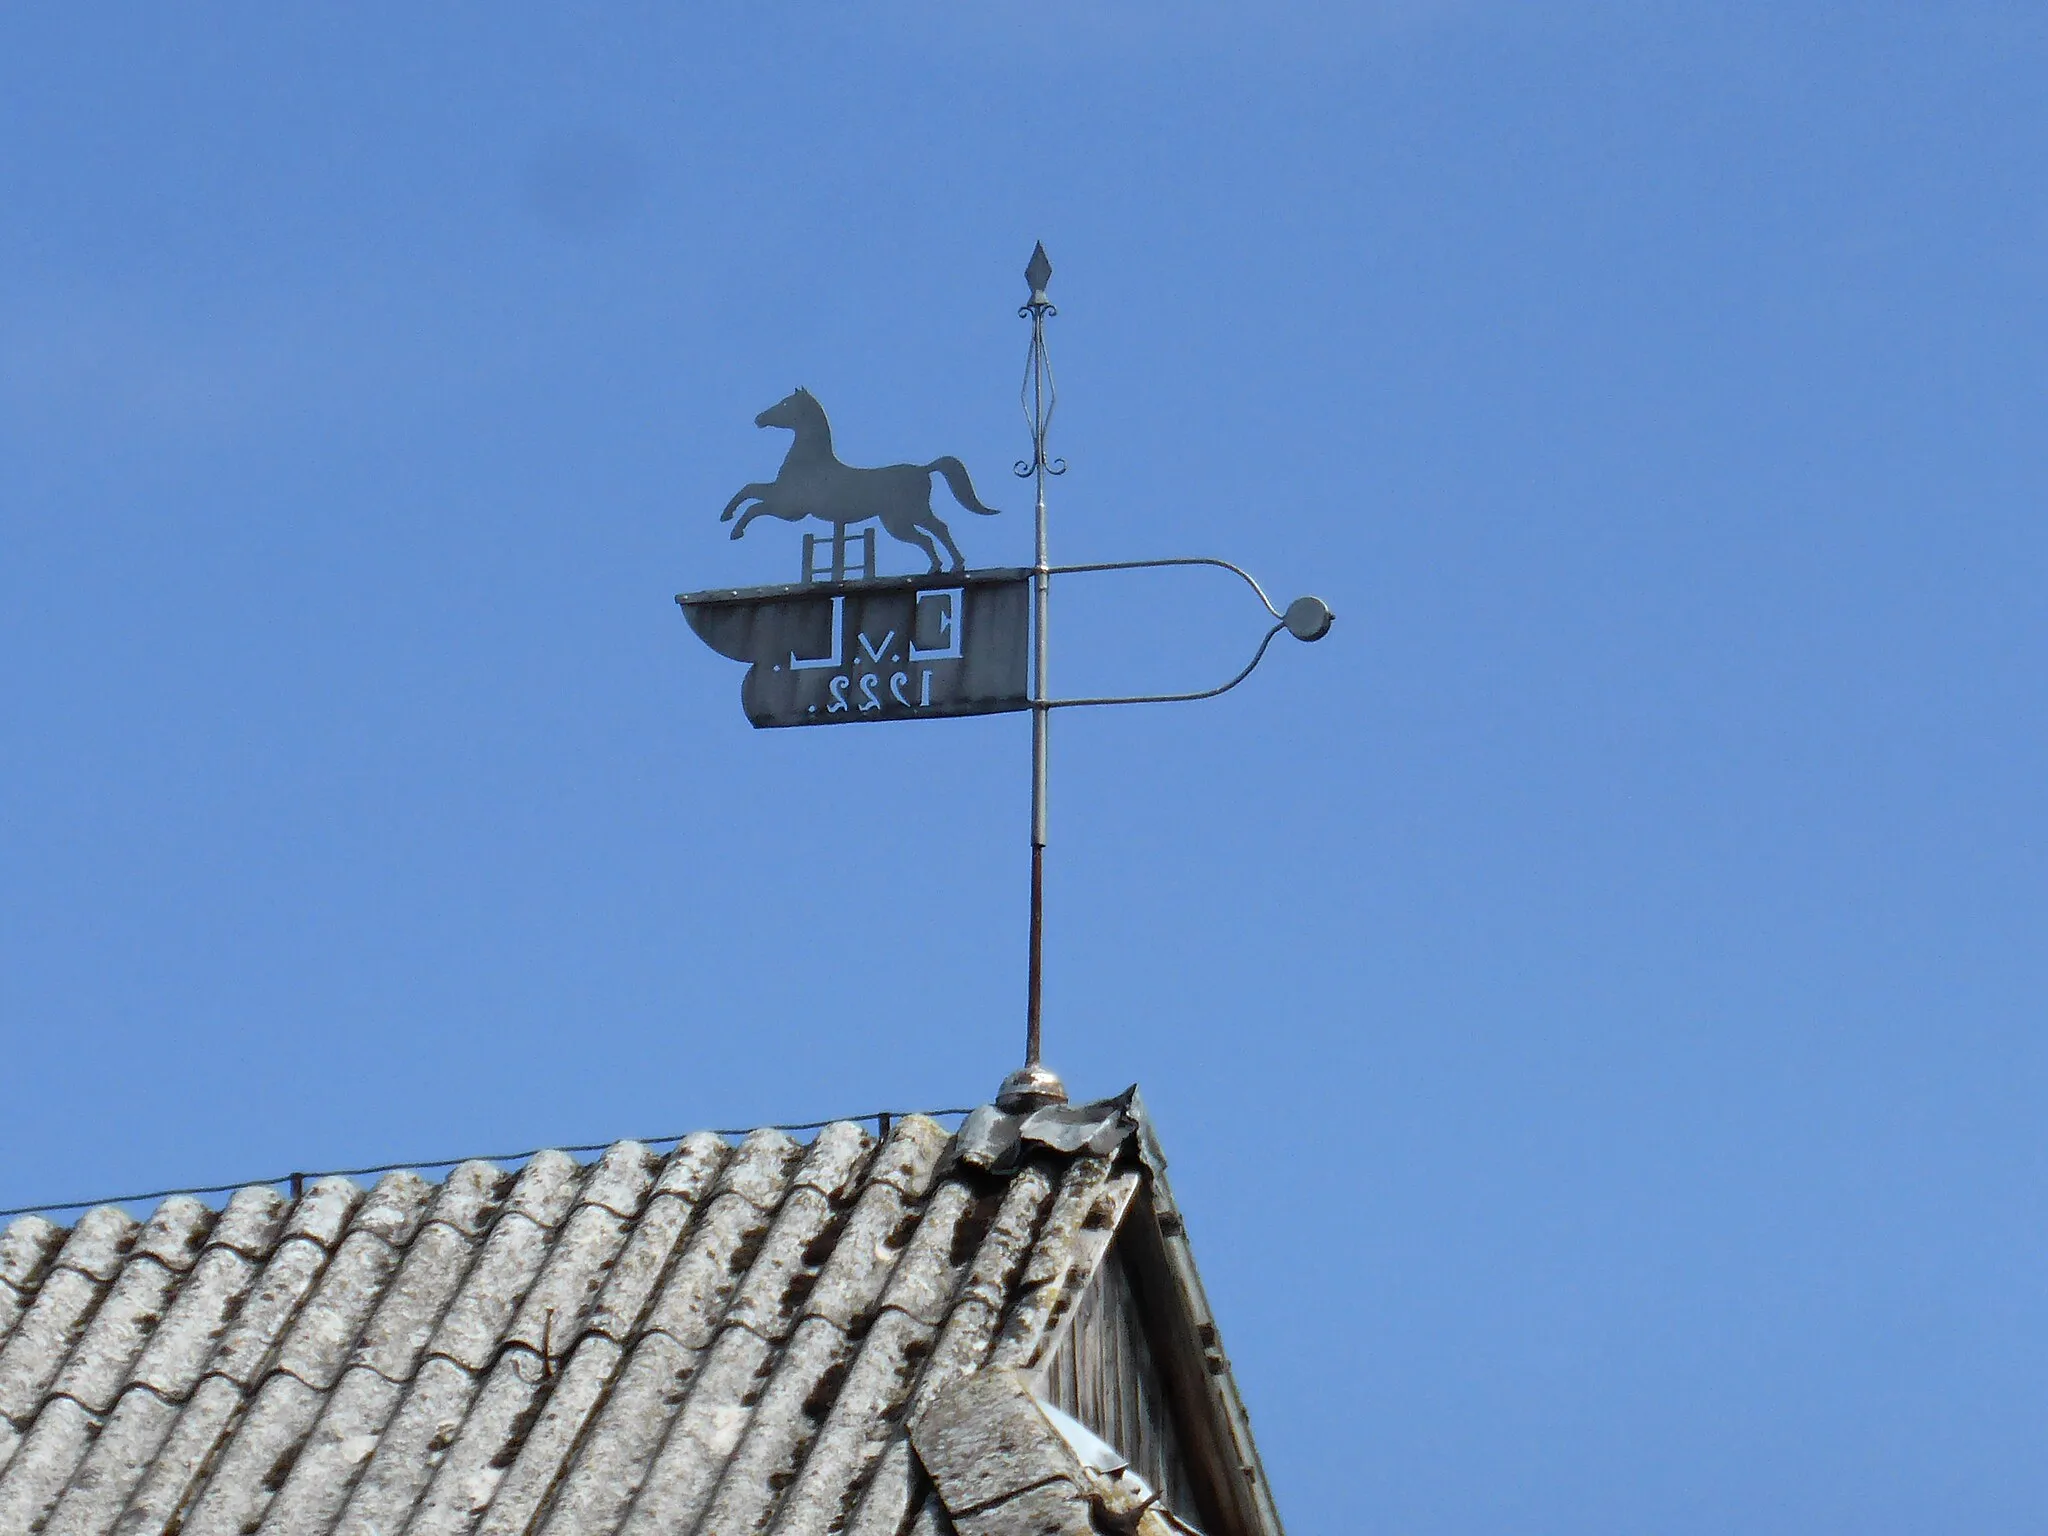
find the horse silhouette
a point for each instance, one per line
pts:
(813, 483)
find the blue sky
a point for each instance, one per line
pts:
(1593, 1000)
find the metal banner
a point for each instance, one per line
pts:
(897, 648)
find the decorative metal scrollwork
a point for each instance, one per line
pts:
(1039, 394)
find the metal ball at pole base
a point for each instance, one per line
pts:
(1028, 1088)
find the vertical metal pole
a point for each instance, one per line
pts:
(1038, 404)
(1041, 721)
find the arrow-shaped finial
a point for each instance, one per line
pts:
(1038, 273)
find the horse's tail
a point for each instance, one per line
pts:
(958, 483)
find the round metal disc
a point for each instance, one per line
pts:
(1308, 618)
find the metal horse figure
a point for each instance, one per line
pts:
(813, 483)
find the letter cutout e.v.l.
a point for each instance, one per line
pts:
(899, 648)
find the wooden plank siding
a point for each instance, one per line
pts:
(1103, 1373)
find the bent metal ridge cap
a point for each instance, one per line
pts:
(726, 1339)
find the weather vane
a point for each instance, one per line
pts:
(845, 644)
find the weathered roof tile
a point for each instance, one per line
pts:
(42, 1341)
(322, 1213)
(1067, 1255)
(323, 1335)
(857, 1424)
(509, 1260)
(623, 1440)
(677, 1194)
(622, 1178)
(176, 1232)
(256, 1459)
(273, 1300)
(777, 1431)
(325, 1463)
(252, 1222)
(127, 1444)
(49, 1454)
(551, 1317)
(26, 1249)
(412, 1446)
(538, 1460)
(935, 1250)
(702, 1434)
(889, 1494)
(999, 1258)
(99, 1243)
(781, 1274)
(180, 1467)
(411, 1305)
(128, 1314)
(545, 1190)
(469, 1475)
(703, 1278)
(698, 1157)
(394, 1209)
(728, 1339)
(469, 1199)
(760, 1168)
(863, 1254)
(1061, 1260)
(178, 1350)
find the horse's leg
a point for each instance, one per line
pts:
(783, 510)
(937, 525)
(904, 526)
(754, 492)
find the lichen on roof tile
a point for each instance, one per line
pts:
(175, 1233)
(99, 1243)
(323, 1212)
(49, 1454)
(251, 1223)
(127, 1315)
(621, 1179)
(26, 1249)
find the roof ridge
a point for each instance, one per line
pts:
(303, 1176)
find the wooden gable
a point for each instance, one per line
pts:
(1102, 1373)
(1138, 1361)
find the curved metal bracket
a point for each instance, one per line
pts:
(1306, 618)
